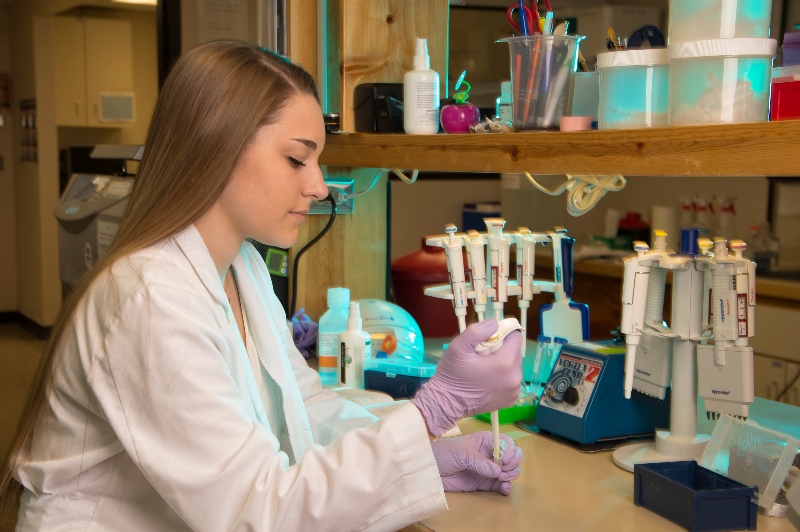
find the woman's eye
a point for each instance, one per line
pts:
(294, 162)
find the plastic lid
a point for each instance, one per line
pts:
(505, 88)
(560, 340)
(633, 57)
(741, 47)
(338, 297)
(421, 57)
(689, 241)
(791, 37)
(543, 338)
(752, 455)
(392, 366)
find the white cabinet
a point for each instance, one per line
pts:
(93, 72)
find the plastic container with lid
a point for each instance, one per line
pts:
(634, 88)
(410, 275)
(720, 81)
(695, 20)
(399, 377)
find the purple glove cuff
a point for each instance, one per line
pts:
(431, 405)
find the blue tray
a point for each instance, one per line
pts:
(694, 497)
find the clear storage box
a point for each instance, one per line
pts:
(720, 81)
(695, 20)
(634, 88)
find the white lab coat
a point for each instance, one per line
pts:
(158, 421)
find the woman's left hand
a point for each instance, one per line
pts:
(465, 463)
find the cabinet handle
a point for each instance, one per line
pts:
(77, 108)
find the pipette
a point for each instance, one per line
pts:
(499, 259)
(634, 297)
(455, 266)
(477, 262)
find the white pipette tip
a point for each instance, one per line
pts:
(498, 458)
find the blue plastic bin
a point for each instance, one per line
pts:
(694, 497)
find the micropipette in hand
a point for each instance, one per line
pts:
(490, 345)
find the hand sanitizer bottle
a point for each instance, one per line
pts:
(354, 347)
(421, 95)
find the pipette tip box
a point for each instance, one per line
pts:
(399, 377)
(694, 497)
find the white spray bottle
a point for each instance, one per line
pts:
(354, 347)
(421, 95)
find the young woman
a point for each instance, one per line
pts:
(171, 396)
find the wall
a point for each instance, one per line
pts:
(8, 254)
(35, 192)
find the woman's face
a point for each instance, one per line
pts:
(278, 176)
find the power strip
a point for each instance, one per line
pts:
(337, 186)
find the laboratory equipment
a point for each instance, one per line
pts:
(581, 400)
(586, 94)
(354, 349)
(541, 74)
(88, 213)
(721, 374)
(421, 94)
(399, 377)
(378, 108)
(720, 81)
(693, 497)
(331, 323)
(382, 319)
(563, 317)
(634, 88)
(752, 455)
(690, 20)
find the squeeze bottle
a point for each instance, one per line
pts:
(421, 95)
(354, 347)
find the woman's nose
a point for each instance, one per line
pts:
(317, 187)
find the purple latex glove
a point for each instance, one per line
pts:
(304, 332)
(465, 463)
(466, 383)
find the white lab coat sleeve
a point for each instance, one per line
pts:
(163, 384)
(330, 415)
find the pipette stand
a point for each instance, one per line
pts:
(681, 442)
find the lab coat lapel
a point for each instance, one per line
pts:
(254, 289)
(194, 248)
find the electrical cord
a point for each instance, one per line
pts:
(404, 178)
(341, 198)
(305, 248)
(788, 387)
(584, 190)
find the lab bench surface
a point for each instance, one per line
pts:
(562, 489)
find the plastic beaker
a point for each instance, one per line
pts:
(541, 75)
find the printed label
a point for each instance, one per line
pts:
(741, 309)
(427, 111)
(572, 371)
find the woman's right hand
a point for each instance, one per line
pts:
(466, 383)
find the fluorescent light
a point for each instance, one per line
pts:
(142, 2)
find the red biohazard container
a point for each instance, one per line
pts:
(410, 275)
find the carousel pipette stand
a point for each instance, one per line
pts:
(722, 373)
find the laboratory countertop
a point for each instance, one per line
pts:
(562, 489)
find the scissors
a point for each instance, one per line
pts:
(528, 23)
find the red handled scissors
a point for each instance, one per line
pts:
(531, 19)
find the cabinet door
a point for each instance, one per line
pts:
(793, 393)
(109, 62)
(70, 71)
(769, 376)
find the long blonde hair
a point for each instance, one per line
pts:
(214, 100)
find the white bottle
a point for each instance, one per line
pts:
(421, 95)
(503, 107)
(354, 347)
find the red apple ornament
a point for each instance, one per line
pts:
(458, 117)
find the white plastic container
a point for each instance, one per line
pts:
(421, 95)
(354, 348)
(696, 20)
(331, 323)
(720, 81)
(634, 88)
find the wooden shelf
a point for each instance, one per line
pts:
(761, 149)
